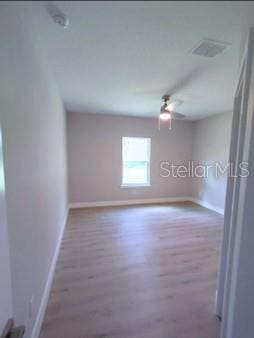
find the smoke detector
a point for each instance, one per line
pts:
(57, 15)
(61, 20)
(209, 48)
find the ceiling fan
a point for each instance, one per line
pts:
(167, 112)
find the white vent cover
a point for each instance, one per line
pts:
(209, 48)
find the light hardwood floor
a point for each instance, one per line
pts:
(136, 271)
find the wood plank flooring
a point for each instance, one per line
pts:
(136, 271)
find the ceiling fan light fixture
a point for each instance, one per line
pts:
(165, 115)
(167, 111)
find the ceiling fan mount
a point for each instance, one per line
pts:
(166, 98)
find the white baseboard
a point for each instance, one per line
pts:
(145, 201)
(128, 202)
(44, 301)
(207, 205)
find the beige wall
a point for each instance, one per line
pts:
(94, 157)
(33, 123)
(211, 144)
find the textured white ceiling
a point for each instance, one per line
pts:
(121, 57)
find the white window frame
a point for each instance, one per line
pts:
(137, 185)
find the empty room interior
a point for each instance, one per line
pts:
(127, 152)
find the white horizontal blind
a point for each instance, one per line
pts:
(136, 161)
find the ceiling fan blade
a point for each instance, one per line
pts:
(184, 81)
(173, 104)
(177, 116)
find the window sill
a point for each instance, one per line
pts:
(135, 185)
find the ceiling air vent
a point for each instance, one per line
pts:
(209, 48)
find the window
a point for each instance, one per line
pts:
(136, 161)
